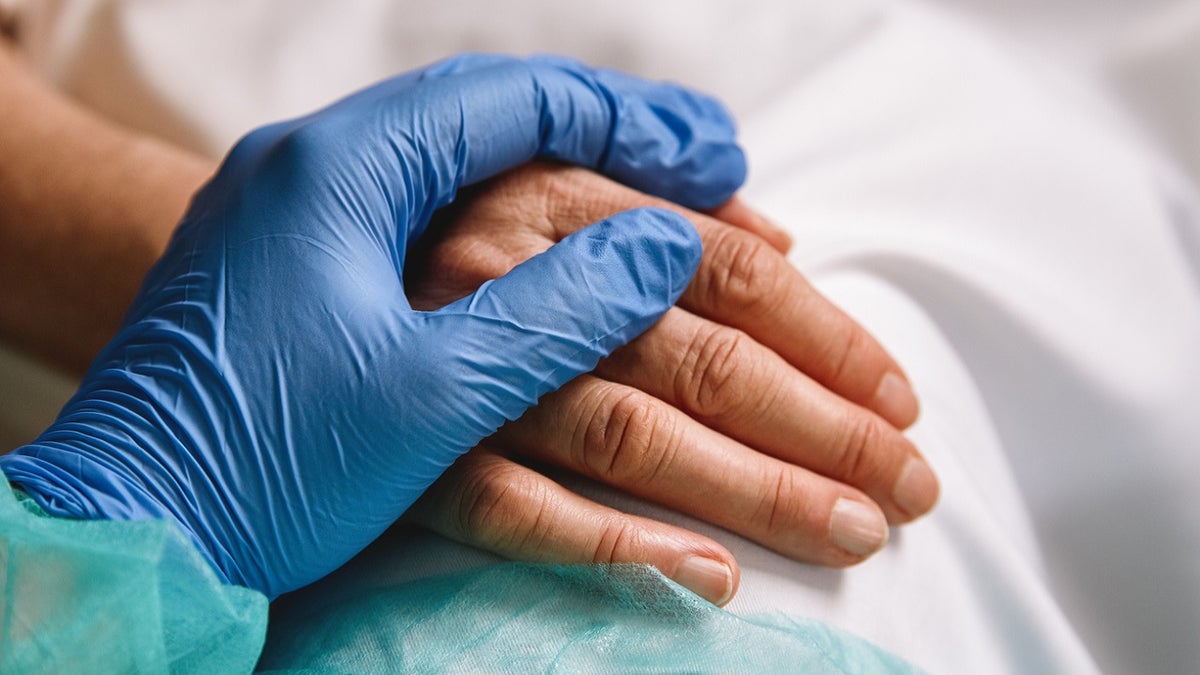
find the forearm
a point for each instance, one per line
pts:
(86, 207)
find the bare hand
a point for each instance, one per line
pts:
(755, 405)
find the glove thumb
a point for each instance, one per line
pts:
(556, 315)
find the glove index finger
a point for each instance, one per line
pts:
(672, 142)
(556, 315)
(469, 118)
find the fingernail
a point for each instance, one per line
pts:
(857, 528)
(895, 400)
(707, 578)
(917, 489)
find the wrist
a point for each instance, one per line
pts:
(97, 462)
(64, 484)
(63, 578)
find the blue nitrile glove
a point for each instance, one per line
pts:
(272, 390)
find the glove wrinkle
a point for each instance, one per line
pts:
(273, 393)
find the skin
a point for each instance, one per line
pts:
(86, 207)
(755, 404)
(752, 405)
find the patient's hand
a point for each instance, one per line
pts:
(755, 405)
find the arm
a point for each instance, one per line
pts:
(807, 546)
(272, 392)
(85, 208)
(272, 397)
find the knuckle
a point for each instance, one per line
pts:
(861, 441)
(303, 144)
(503, 507)
(744, 272)
(843, 353)
(780, 508)
(629, 440)
(617, 541)
(251, 144)
(707, 386)
(307, 155)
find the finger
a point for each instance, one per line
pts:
(737, 213)
(741, 282)
(489, 501)
(745, 284)
(554, 316)
(424, 136)
(628, 439)
(726, 380)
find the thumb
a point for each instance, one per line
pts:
(556, 315)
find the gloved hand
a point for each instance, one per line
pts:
(272, 390)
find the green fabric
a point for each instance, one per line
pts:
(116, 597)
(543, 619)
(106, 596)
